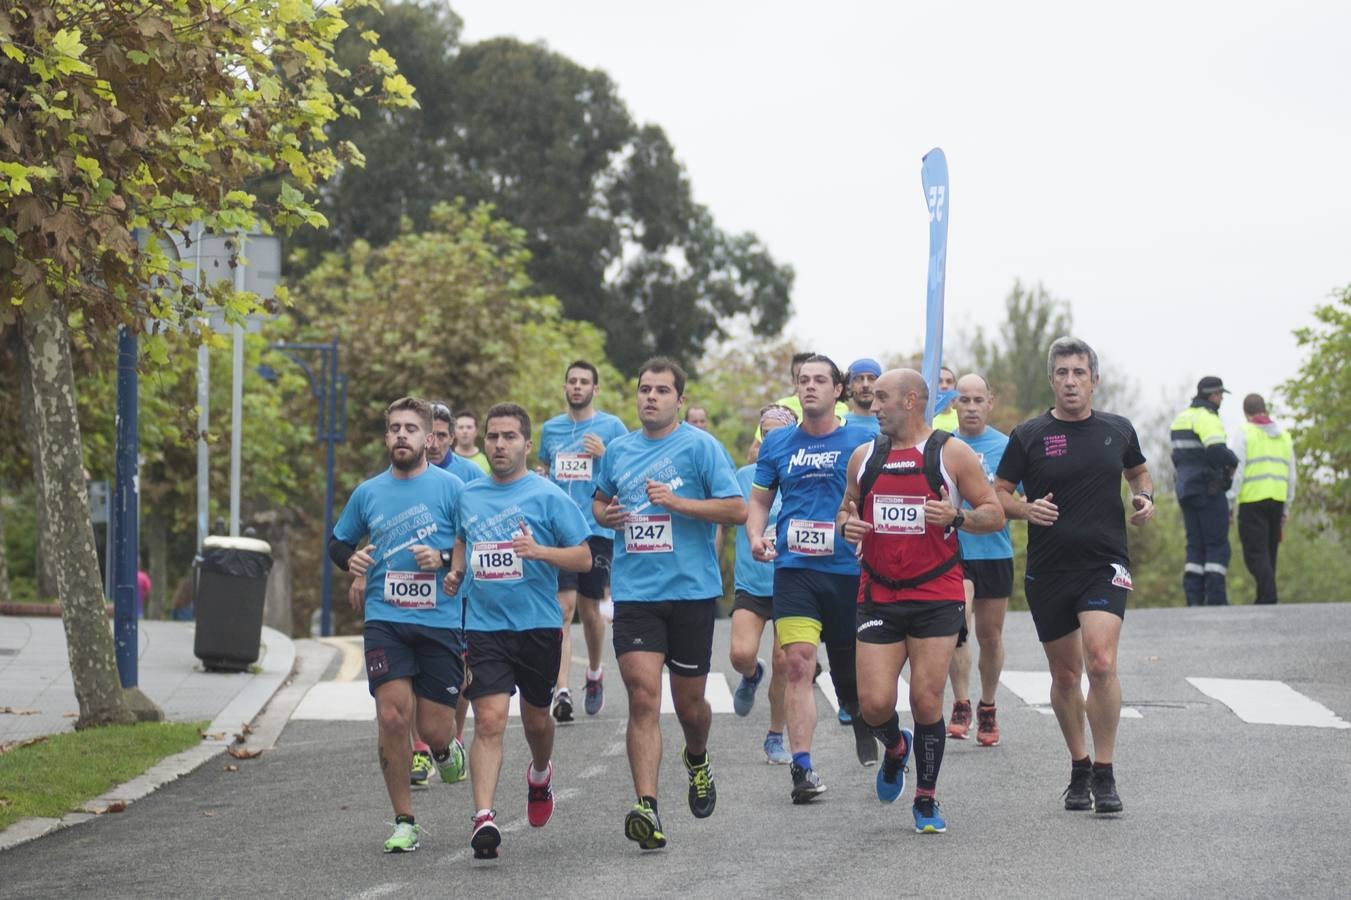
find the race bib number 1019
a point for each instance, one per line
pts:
(898, 514)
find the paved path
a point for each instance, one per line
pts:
(1218, 802)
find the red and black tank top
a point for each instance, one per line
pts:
(903, 558)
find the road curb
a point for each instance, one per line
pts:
(279, 656)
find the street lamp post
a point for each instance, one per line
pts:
(329, 389)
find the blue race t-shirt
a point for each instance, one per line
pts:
(397, 513)
(507, 593)
(661, 555)
(752, 576)
(809, 472)
(460, 467)
(868, 423)
(562, 452)
(989, 448)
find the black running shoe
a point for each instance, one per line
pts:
(807, 785)
(703, 792)
(1076, 795)
(563, 706)
(865, 743)
(1105, 797)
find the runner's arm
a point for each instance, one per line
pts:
(847, 520)
(1142, 493)
(718, 510)
(986, 513)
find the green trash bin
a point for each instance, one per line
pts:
(230, 586)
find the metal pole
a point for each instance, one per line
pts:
(237, 399)
(330, 438)
(203, 424)
(126, 537)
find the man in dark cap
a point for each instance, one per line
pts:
(1203, 468)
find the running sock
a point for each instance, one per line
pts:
(440, 755)
(650, 801)
(802, 760)
(1085, 763)
(421, 747)
(537, 777)
(1102, 767)
(925, 792)
(696, 759)
(404, 820)
(889, 733)
(929, 742)
(773, 734)
(984, 705)
(483, 812)
(595, 676)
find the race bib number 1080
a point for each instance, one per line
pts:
(411, 590)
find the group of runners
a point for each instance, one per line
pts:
(860, 527)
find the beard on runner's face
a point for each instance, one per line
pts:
(403, 456)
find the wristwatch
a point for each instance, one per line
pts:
(957, 521)
(1146, 494)
(446, 559)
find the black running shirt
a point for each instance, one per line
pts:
(1081, 464)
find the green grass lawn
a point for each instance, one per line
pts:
(58, 775)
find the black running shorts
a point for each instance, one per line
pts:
(433, 658)
(591, 584)
(681, 630)
(761, 606)
(502, 661)
(891, 623)
(993, 578)
(1056, 599)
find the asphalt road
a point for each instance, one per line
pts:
(1215, 806)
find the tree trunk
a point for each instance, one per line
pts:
(4, 555)
(45, 574)
(66, 531)
(157, 548)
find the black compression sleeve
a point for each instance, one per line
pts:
(340, 552)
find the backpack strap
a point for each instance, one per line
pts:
(933, 460)
(873, 467)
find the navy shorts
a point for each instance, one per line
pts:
(682, 630)
(993, 578)
(591, 584)
(891, 623)
(761, 606)
(802, 595)
(502, 661)
(1055, 599)
(432, 657)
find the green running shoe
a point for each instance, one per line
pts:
(642, 826)
(422, 769)
(405, 838)
(454, 768)
(703, 792)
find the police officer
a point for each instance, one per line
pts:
(1203, 468)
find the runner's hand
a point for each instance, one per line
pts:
(451, 583)
(660, 493)
(1144, 510)
(523, 542)
(594, 445)
(855, 528)
(763, 550)
(614, 514)
(940, 512)
(428, 558)
(1043, 511)
(361, 561)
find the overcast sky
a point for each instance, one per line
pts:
(1180, 172)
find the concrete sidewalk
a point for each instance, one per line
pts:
(35, 676)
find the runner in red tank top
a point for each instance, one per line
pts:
(911, 600)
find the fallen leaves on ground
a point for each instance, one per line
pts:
(15, 745)
(232, 768)
(116, 806)
(241, 753)
(15, 711)
(213, 735)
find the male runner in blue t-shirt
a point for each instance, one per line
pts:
(665, 488)
(815, 569)
(571, 445)
(515, 532)
(754, 606)
(862, 374)
(987, 573)
(412, 638)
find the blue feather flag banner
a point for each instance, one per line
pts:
(934, 174)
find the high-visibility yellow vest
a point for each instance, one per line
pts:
(947, 420)
(1266, 470)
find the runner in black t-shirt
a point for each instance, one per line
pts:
(1070, 460)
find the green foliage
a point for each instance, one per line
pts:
(1013, 358)
(1320, 400)
(607, 208)
(121, 116)
(40, 780)
(737, 380)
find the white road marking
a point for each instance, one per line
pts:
(827, 688)
(1268, 702)
(1034, 688)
